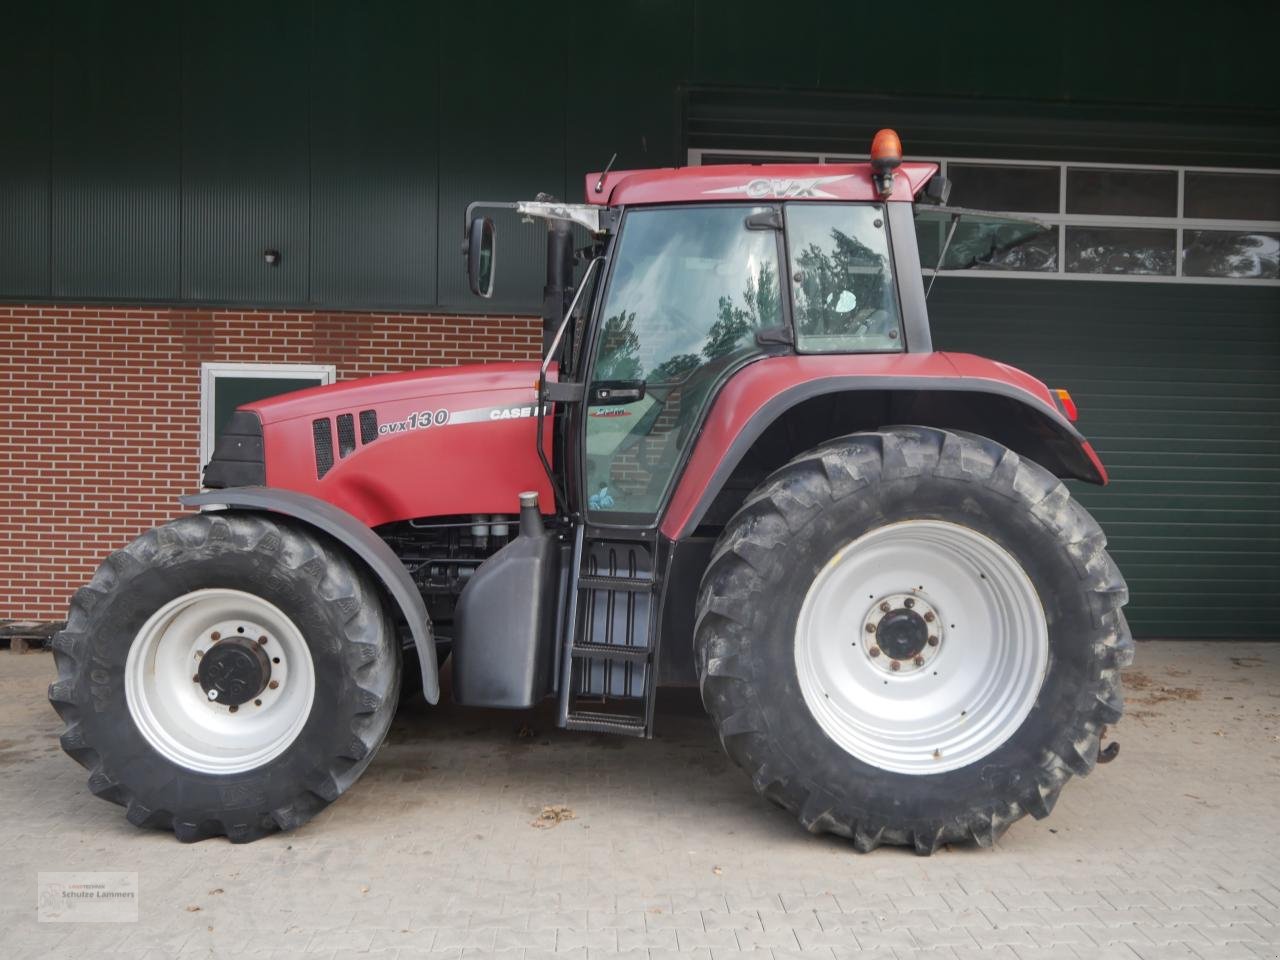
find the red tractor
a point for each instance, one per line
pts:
(740, 464)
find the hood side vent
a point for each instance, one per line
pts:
(322, 433)
(368, 426)
(346, 434)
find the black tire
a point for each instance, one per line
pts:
(784, 534)
(336, 607)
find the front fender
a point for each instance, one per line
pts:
(356, 537)
(955, 391)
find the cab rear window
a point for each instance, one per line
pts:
(842, 285)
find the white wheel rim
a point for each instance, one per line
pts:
(171, 708)
(975, 685)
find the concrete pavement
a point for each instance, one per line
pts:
(441, 851)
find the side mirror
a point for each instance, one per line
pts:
(480, 256)
(937, 191)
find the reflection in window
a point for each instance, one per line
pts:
(1127, 193)
(1231, 196)
(1121, 250)
(690, 288)
(986, 246)
(1228, 253)
(842, 284)
(1009, 189)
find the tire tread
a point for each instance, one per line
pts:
(373, 660)
(784, 503)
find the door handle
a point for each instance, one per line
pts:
(605, 393)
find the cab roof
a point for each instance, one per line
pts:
(751, 181)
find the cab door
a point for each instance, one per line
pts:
(688, 291)
(689, 288)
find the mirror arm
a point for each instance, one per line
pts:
(475, 205)
(553, 391)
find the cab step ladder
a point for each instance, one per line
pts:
(608, 667)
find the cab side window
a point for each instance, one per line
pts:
(842, 279)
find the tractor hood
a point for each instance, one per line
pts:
(431, 443)
(397, 388)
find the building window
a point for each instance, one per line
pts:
(1109, 221)
(225, 386)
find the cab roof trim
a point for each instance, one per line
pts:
(763, 182)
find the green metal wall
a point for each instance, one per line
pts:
(153, 150)
(1179, 391)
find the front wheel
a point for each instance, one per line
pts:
(225, 674)
(912, 637)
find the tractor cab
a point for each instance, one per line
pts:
(690, 276)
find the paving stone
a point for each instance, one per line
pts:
(707, 939)
(766, 939)
(779, 920)
(673, 921)
(657, 866)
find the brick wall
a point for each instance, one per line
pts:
(100, 415)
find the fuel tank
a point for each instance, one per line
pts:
(458, 440)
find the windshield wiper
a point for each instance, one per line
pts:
(951, 232)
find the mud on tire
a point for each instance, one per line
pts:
(339, 614)
(788, 530)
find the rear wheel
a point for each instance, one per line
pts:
(227, 673)
(912, 637)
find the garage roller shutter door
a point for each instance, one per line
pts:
(1179, 390)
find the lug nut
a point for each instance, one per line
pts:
(871, 628)
(257, 703)
(928, 617)
(895, 665)
(195, 678)
(874, 651)
(273, 684)
(933, 641)
(233, 708)
(215, 636)
(908, 603)
(199, 654)
(885, 608)
(262, 640)
(918, 661)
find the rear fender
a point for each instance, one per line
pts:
(737, 447)
(379, 558)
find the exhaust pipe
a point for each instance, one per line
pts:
(530, 515)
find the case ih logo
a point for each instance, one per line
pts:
(516, 413)
(763, 187)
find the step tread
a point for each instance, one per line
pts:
(611, 651)
(597, 582)
(597, 722)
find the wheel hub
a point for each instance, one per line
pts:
(914, 709)
(902, 633)
(220, 681)
(234, 671)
